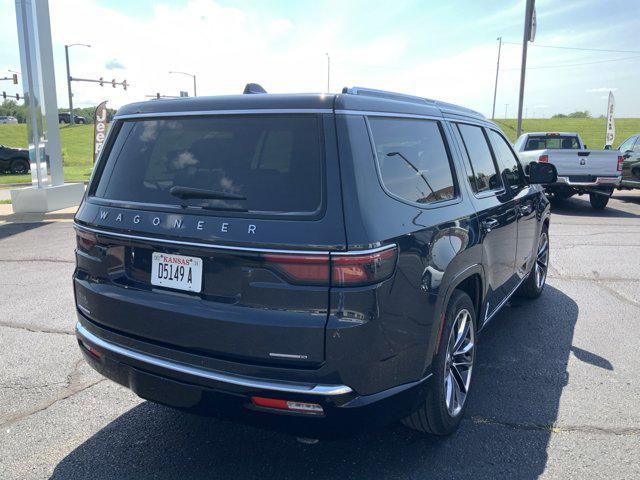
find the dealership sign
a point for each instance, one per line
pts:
(99, 129)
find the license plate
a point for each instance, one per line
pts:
(176, 271)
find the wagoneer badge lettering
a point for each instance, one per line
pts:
(178, 223)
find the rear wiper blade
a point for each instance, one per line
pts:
(188, 192)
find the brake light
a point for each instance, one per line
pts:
(362, 269)
(553, 134)
(544, 159)
(279, 404)
(85, 240)
(620, 160)
(338, 270)
(305, 269)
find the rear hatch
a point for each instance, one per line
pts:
(210, 234)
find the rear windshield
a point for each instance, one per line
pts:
(266, 163)
(552, 141)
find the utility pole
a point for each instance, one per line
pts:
(528, 20)
(328, 72)
(66, 54)
(195, 91)
(495, 89)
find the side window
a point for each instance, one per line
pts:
(413, 159)
(506, 160)
(627, 144)
(484, 175)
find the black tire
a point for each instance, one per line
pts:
(599, 200)
(434, 416)
(80, 122)
(533, 286)
(19, 167)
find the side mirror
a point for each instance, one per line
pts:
(542, 173)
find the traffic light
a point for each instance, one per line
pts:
(15, 78)
(101, 82)
(125, 84)
(113, 83)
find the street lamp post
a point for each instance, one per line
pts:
(495, 89)
(195, 91)
(66, 54)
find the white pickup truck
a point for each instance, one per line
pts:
(580, 171)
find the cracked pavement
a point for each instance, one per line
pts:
(556, 389)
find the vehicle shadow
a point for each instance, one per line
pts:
(580, 207)
(520, 376)
(9, 229)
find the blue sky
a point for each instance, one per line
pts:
(443, 50)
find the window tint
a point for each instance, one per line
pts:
(506, 159)
(541, 142)
(413, 160)
(484, 176)
(275, 162)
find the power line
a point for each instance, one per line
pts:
(577, 64)
(576, 48)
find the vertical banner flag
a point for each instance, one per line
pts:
(611, 127)
(99, 129)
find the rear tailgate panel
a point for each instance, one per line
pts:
(595, 163)
(246, 311)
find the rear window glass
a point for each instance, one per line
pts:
(413, 160)
(552, 141)
(270, 164)
(485, 174)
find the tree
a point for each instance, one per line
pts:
(11, 108)
(578, 114)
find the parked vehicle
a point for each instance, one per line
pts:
(8, 120)
(64, 117)
(14, 160)
(580, 171)
(630, 151)
(317, 264)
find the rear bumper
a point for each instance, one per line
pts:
(595, 182)
(215, 393)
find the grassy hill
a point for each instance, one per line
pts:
(77, 141)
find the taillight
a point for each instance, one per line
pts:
(85, 240)
(364, 269)
(620, 160)
(305, 269)
(544, 159)
(339, 270)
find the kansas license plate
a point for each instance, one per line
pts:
(176, 271)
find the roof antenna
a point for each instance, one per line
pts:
(251, 88)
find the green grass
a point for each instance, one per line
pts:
(5, 202)
(77, 150)
(77, 141)
(591, 130)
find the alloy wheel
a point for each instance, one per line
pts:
(542, 260)
(459, 362)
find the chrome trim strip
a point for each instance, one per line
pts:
(324, 390)
(502, 303)
(227, 247)
(259, 111)
(367, 113)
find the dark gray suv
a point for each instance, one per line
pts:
(318, 264)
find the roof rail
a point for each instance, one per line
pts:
(370, 92)
(401, 97)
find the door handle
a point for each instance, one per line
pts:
(490, 223)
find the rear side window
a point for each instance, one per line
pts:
(412, 159)
(484, 175)
(541, 142)
(267, 163)
(506, 160)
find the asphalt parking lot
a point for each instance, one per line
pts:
(557, 388)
